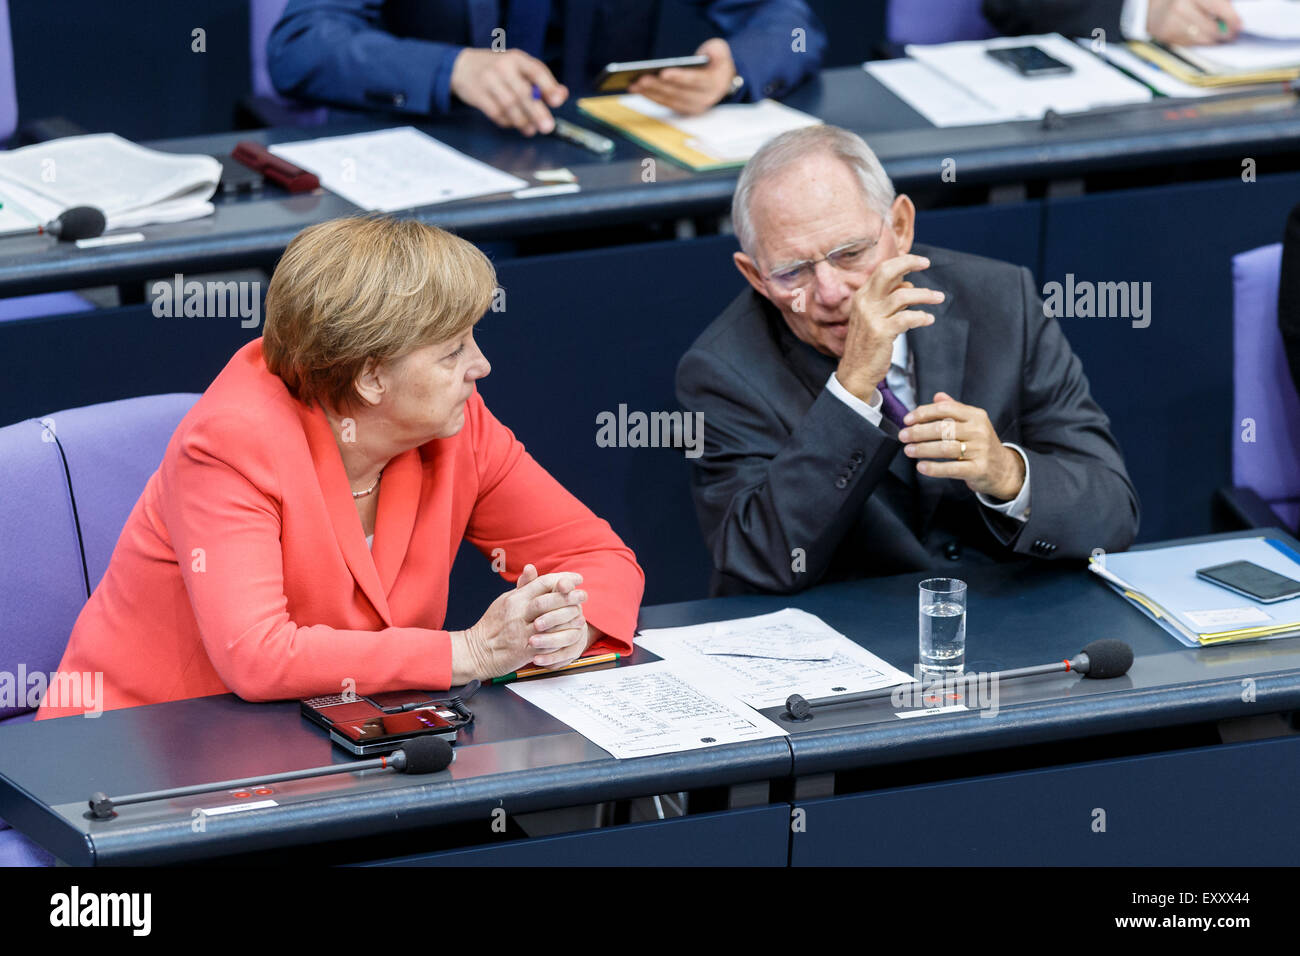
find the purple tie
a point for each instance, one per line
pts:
(892, 408)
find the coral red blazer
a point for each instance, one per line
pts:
(243, 566)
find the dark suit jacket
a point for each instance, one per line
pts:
(1288, 296)
(787, 465)
(1071, 17)
(398, 54)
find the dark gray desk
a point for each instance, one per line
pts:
(253, 231)
(1021, 786)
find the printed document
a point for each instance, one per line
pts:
(646, 709)
(817, 660)
(395, 169)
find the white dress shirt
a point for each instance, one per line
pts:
(1133, 20)
(899, 378)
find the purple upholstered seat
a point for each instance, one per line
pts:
(74, 477)
(1264, 395)
(935, 21)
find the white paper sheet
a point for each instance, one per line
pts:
(1093, 82)
(766, 682)
(648, 709)
(1246, 54)
(395, 169)
(1276, 19)
(941, 101)
(730, 131)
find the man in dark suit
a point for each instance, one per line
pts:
(420, 56)
(1181, 22)
(851, 346)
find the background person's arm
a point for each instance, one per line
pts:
(1071, 17)
(761, 36)
(337, 52)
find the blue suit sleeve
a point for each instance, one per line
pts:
(776, 44)
(336, 52)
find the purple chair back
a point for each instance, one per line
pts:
(935, 21)
(73, 478)
(1265, 406)
(111, 450)
(43, 584)
(263, 15)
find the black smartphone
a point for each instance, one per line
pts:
(617, 77)
(1252, 581)
(1030, 61)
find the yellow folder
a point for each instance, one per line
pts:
(1180, 69)
(653, 134)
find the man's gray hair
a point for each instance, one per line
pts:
(781, 151)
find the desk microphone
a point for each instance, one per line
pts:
(1100, 660)
(79, 222)
(419, 755)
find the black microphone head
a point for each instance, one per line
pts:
(79, 222)
(426, 755)
(1108, 658)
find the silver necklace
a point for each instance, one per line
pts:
(362, 494)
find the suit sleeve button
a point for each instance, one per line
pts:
(841, 482)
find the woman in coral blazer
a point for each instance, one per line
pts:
(298, 537)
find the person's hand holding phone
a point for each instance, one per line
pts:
(694, 90)
(500, 84)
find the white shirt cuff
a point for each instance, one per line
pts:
(1017, 507)
(1133, 20)
(871, 411)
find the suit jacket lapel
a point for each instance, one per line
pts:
(939, 351)
(342, 511)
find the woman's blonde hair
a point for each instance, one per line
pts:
(367, 288)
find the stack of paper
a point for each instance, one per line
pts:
(722, 137)
(1163, 583)
(697, 695)
(959, 84)
(765, 659)
(134, 186)
(395, 169)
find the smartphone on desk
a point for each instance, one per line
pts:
(1030, 61)
(381, 723)
(1250, 580)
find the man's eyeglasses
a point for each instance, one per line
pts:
(848, 257)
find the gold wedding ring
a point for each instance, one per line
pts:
(961, 455)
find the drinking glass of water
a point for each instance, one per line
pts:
(943, 627)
